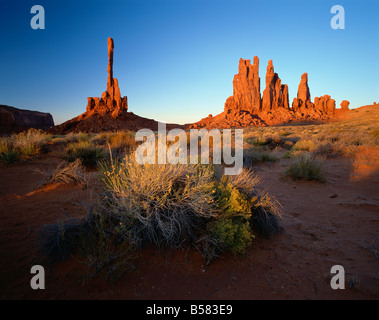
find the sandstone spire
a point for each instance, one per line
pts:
(303, 93)
(111, 100)
(275, 94)
(303, 99)
(246, 88)
(110, 62)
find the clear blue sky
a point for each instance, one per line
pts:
(175, 60)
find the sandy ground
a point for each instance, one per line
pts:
(336, 223)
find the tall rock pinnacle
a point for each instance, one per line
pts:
(303, 99)
(275, 94)
(303, 92)
(110, 62)
(246, 88)
(111, 100)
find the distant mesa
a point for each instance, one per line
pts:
(248, 108)
(17, 120)
(109, 112)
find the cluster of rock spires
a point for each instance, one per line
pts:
(247, 108)
(17, 120)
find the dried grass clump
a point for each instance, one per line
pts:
(22, 145)
(165, 204)
(305, 145)
(66, 173)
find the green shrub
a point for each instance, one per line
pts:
(88, 153)
(9, 157)
(306, 167)
(234, 234)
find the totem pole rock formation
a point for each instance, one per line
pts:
(111, 100)
(109, 112)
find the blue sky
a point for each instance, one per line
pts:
(175, 59)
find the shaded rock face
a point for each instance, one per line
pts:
(111, 100)
(275, 95)
(246, 108)
(16, 120)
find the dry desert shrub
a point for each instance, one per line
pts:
(29, 143)
(169, 205)
(22, 145)
(66, 173)
(304, 145)
(306, 166)
(163, 203)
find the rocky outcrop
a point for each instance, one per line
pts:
(345, 105)
(245, 108)
(275, 94)
(16, 120)
(246, 88)
(325, 104)
(111, 100)
(303, 100)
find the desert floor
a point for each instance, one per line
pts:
(324, 224)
